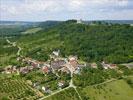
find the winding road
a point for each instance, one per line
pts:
(14, 45)
(71, 85)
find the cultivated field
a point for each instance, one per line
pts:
(68, 94)
(14, 89)
(116, 90)
(32, 30)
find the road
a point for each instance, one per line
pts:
(71, 85)
(53, 93)
(14, 45)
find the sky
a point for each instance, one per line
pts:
(42, 10)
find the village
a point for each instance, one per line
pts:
(55, 65)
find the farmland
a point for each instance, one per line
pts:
(14, 89)
(116, 90)
(32, 30)
(68, 94)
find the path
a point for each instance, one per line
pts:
(53, 93)
(71, 85)
(55, 72)
(14, 45)
(108, 81)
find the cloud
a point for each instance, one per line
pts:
(44, 8)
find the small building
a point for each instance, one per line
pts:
(10, 69)
(108, 66)
(73, 63)
(79, 21)
(36, 84)
(30, 68)
(71, 58)
(56, 53)
(61, 84)
(77, 70)
(104, 65)
(64, 69)
(112, 66)
(46, 89)
(93, 65)
(46, 69)
(58, 64)
(24, 70)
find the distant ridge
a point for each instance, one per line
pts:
(16, 23)
(114, 21)
(55, 22)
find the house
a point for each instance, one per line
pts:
(64, 69)
(58, 64)
(35, 65)
(79, 21)
(61, 84)
(41, 64)
(113, 66)
(93, 65)
(77, 70)
(108, 66)
(71, 58)
(46, 69)
(36, 84)
(10, 69)
(73, 63)
(30, 68)
(56, 53)
(24, 70)
(46, 89)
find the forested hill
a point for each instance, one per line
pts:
(112, 43)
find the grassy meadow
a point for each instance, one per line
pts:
(116, 90)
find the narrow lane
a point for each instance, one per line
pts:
(14, 45)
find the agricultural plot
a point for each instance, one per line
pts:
(14, 89)
(32, 30)
(116, 90)
(69, 94)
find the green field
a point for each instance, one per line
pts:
(116, 90)
(32, 30)
(68, 94)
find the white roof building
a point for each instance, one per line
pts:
(56, 53)
(79, 21)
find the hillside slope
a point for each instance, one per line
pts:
(91, 43)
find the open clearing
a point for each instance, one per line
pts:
(68, 94)
(116, 90)
(33, 30)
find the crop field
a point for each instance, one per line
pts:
(33, 30)
(14, 89)
(116, 90)
(68, 94)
